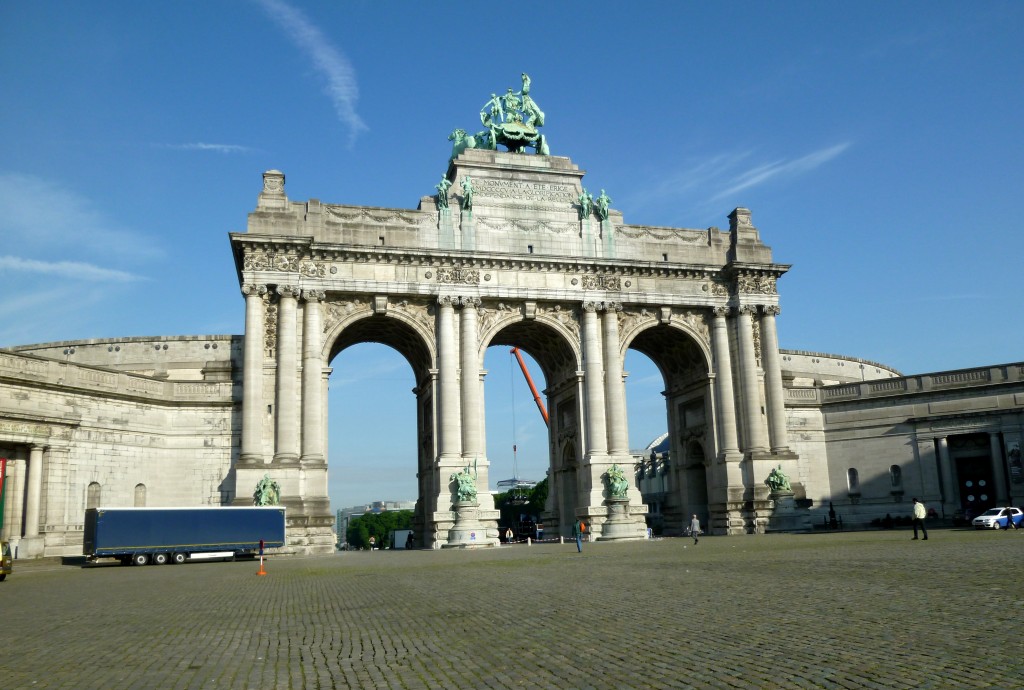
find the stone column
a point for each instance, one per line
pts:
(754, 439)
(593, 384)
(34, 490)
(614, 387)
(724, 396)
(287, 413)
(472, 401)
(447, 355)
(252, 375)
(15, 500)
(312, 380)
(949, 492)
(774, 394)
(1002, 495)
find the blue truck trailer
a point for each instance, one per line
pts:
(137, 536)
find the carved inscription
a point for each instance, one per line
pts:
(518, 189)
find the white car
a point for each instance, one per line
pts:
(995, 518)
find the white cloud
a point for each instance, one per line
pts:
(783, 168)
(698, 187)
(70, 270)
(36, 214)
(341, 85)
(201, 146)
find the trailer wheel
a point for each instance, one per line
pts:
(160, 559)
(179, 558)
(140, 559)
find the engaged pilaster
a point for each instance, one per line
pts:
(472, 447)
(447, 355)
(593, 383)
(949, 492)
(1002, 495)
(754, 438)
(774, 394)
(312, 378)
(614, 387)
(286, 449)
(728, 441)
(35, 491)
(252, 375)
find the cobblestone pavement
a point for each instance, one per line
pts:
(852, 610)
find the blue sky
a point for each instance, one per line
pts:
(877, 144)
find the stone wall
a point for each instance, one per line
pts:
(135, 438)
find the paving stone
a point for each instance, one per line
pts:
(856, 610)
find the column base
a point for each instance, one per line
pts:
(784, 516)
(468, 532)
(31, 547)
(620, 524)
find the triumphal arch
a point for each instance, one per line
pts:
(514, 250)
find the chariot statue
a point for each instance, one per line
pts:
(512, 120)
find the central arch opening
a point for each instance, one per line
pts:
(544, 452)
(379, 419)
(672, 465)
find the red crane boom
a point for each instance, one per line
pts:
(533, 388)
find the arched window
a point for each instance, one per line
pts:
(853, 480)
(92, 497)
(140, 495)
(896, 476)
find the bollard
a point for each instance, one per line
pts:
(261, 570)
(529, 541)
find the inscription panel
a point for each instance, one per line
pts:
(520, 189)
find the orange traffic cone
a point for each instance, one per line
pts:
(261, 570)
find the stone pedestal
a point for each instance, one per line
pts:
(618, 525)
(31, 547)
(784, 516)
(468, 532)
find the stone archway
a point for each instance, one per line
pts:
(349, 321)
(680, 348)
(521, 263)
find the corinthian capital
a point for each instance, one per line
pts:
(313, 295)
(447, 300)
(771, 310)
(747, 309)
(593, 306)
(721, 311)
(288, 291)
(466, 301)
(254, 289)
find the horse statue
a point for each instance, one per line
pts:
(463, 141)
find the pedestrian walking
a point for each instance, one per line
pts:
(1009, 519)
(577, 531)
(919, 514)
(695, 528)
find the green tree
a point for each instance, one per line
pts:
(377, 525)
(538, 497)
